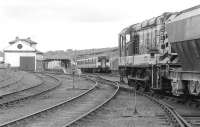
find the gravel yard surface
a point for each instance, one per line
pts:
(120, 113)
(7, 77)
(28, 80)
(4, 74)
(44, 101)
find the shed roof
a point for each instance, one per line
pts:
(28, 40)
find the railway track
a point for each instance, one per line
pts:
(17, 96)
(71, 110)
(175, 118)
(188, 110)
(193, 119)
(101, 80)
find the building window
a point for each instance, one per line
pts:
(19, 46)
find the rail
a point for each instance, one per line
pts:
(176, 119)
(15, 121)
(3, 102)
(114, 84)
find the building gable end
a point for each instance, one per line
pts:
(19, 46)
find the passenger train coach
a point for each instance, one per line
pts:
(94, 64)
(162, 54)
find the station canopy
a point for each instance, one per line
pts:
(56, 57)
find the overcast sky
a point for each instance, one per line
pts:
(77, 24)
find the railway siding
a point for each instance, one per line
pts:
(120, 112)
(30, 92)
(60, 114)
(173, 112)
(37, 110)
(99, 79)
(23, 82)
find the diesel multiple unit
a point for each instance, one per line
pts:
(94, 64)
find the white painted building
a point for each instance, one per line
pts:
(1, 57)
(21, 53)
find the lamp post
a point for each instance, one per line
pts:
(73, 73)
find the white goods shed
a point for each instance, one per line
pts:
(21, 53)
